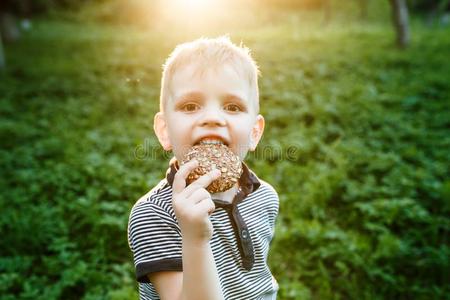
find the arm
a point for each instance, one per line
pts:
(199, 279)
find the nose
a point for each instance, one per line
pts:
(212, 116)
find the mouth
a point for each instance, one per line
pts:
(211, 140)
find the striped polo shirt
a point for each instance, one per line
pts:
(242, 234)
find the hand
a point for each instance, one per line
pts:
(193, 204)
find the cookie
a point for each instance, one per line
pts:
(214, 155)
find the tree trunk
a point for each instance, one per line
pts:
(9, 27)
(363, 5)
(2, 55)
(400, 20)
(326, 7)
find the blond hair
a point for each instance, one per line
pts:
(209, 53)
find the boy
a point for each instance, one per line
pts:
(187, 243)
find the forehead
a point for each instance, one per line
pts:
(210, 81)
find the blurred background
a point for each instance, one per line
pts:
(356, 99)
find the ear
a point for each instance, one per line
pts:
(161, 131)
(257, 132)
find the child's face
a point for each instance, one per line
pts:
(216, 104)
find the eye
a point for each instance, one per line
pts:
(233, 107)
(189, 107)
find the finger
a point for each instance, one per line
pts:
(206, 205)
(202, 182)
(198, 196)
(179, 181)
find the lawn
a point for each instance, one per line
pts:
(356, 144)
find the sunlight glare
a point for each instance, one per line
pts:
(193, 14)
(195, 6)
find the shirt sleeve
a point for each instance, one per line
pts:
(155, 240)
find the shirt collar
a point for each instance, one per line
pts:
(248, 182)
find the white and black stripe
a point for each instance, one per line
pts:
(155, 240)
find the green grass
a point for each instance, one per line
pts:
(364, 189)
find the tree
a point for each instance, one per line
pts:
(400, 20)
(363, 5)
(326, 7)
(2, 55)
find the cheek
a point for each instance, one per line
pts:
(178, 124)
(242, 131)
(242, 142)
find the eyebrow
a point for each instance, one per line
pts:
(179, 100)
(233, 97)
(188, 95)
(199, 95)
